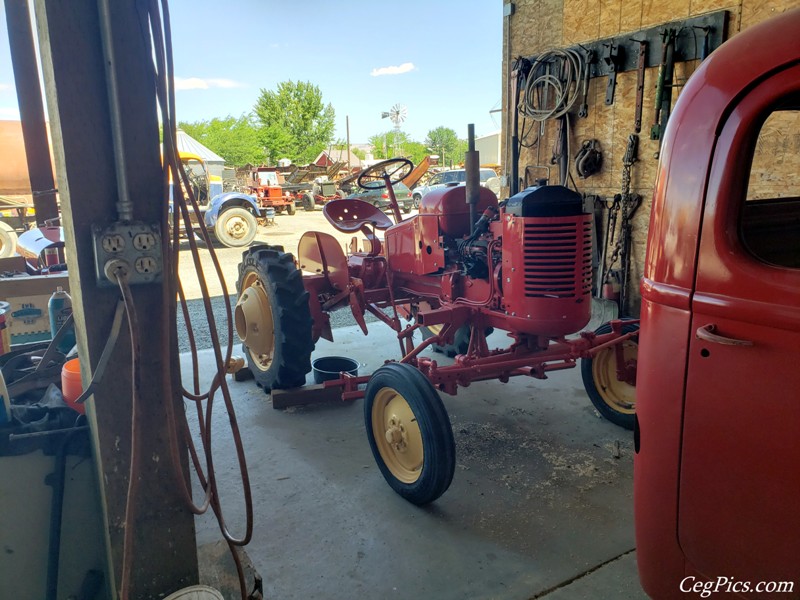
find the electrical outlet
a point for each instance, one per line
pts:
(146, 264)
(130, 248)
(144, 241)
(113, 243)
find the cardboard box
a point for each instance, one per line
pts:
(27, 318)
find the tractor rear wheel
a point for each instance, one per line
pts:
(614, 399)
(273, 318)
(409, 433)
(460, 343)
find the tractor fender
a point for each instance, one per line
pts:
(227, 200)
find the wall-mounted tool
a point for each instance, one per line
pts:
(641, 62)
(612, 59)
(705, 48)
(666, 71)
(589, 159)
(587, 73)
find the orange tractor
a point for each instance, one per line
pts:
(464, 266)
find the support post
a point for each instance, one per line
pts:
(31, 110)
(165, 557)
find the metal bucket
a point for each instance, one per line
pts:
(327, 368)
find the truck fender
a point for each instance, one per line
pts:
(227, 200)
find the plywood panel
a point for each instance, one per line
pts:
(581, 21)
(698, 7)
(631, 15)
(655, 12)
(755, 11)
(610, 17)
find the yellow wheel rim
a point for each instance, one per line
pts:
(435, 329)
(619, 395)
(397, 435)
(254, 321)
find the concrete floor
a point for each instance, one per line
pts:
(540, 505)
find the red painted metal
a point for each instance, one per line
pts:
(554, 258)
(718, 424)
(449, 205)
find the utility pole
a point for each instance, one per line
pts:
(347, 124)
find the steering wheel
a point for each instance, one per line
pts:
(397, 169)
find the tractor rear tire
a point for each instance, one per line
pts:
(409, 433)
(235, 227)
(614, 399)
(309, 203)
(273, 311)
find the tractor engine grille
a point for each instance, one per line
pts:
(557, 258)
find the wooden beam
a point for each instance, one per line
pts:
(31, 110)
(75, 84)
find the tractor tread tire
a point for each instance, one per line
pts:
(288, 298)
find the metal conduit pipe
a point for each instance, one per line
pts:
(124, 204)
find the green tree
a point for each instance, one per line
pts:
(359, 153)
(295, 123)
(415, 152)
(389, 144)
(234, 139)
(444, 142)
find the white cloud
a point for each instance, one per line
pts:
(398, 70)
(4, 87)
(197, 83)
(9, 113)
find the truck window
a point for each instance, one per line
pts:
(770, 219)
(487, 174)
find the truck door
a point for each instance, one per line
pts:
(740, 462)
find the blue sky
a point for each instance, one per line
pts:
(441, 60)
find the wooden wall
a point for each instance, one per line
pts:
(540, 25)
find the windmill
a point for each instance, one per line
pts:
(396, 114)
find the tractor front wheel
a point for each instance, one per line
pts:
(290, 208)
(309, 203)
(614, 399)
(409, 433)
(273, 318)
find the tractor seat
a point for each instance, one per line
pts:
(350, 215)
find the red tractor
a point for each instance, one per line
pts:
(464, 266)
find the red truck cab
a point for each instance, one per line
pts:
(717, 439)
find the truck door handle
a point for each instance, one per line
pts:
(706, 333)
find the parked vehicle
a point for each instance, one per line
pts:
(717, 438)
(464, 265)
(380, 198)
(232, 216)
(488, 179)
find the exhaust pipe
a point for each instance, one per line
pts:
(472, 166)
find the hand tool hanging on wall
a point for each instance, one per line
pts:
(666, 71)
(641, 62)
(589, 159)
(613, 60)
(626, 204)
(705, 49)
(583, 112)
